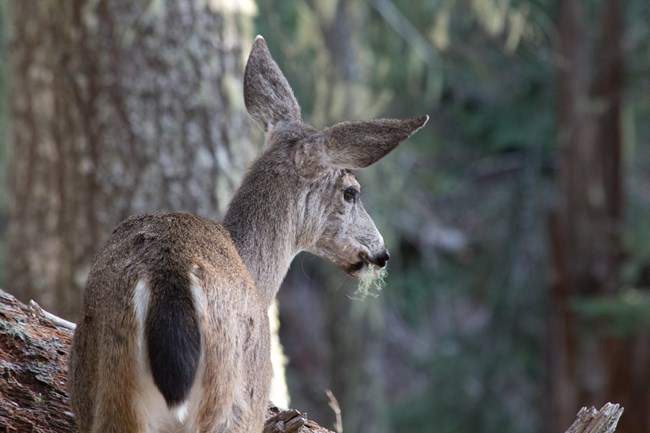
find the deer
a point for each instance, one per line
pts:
(173, 335)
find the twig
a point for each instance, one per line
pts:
(39, 311)
(334, 404)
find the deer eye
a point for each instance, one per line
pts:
(351, 194)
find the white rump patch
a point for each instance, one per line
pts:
(150, 402)
(181, 412)
(198, 296)
(141, 296)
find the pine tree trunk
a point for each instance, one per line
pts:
(119, 107)
(588, 364)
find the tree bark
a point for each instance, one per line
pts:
(33, 363)
(588, 365)
(118, 107)
(591, 420)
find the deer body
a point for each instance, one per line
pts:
(174, 334)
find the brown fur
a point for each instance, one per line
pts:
(291, 200)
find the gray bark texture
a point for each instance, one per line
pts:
(118, 107)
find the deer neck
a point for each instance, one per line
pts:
(261, 222)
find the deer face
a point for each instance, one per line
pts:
(338, 226)
(348, 236)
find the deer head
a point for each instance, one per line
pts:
(316, 192)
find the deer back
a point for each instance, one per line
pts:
(170, 299)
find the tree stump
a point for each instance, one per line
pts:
(597, 421)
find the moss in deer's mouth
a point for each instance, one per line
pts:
(371, 280)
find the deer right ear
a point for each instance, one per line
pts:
(354, 145)
(267, 94)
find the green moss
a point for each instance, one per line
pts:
(371, 281)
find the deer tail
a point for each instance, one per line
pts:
(172, 334)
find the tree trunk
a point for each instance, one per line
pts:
(589, 365)
(119, 107)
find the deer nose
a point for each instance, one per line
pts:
(381, 259)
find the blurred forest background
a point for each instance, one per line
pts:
(518, 220)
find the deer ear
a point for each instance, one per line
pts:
(267, 94)
(353, 145)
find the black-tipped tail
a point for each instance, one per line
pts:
(173, 336)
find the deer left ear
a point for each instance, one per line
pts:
(267, 94)
(353, 145)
